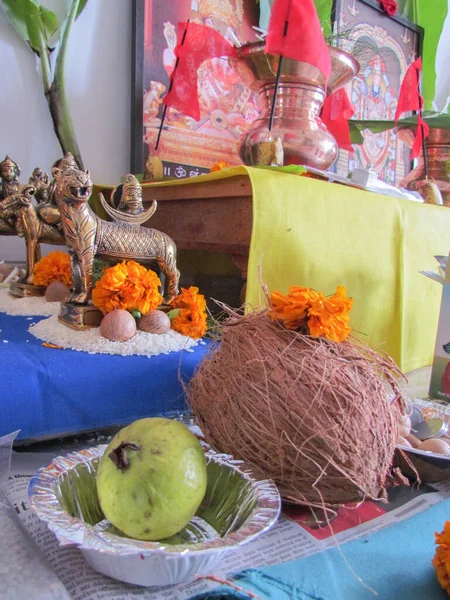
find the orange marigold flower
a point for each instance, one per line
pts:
(328, 317)
(324, 316)
(53, 267)
(219, 166)
(293, 308)
(192, 318)
(441, 560)
(127, 285)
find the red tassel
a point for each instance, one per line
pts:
(294, 32)
(200, 43)
(336, 112)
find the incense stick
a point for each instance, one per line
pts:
(277, 82)
(170, 87)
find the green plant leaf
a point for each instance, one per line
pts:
(431, 118)
(25, 17)
(324, 8)
(356, 136)
(81, 7)
(50, 24)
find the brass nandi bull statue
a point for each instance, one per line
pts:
(88, 236)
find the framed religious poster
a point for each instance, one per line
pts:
(188, 147)
(384, 46)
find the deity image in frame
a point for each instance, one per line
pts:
(385, 46)
(188, 147)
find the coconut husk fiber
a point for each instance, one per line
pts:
(311, 414)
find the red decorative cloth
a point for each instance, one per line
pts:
(389, 6)
(410, 99)
(336, 112)
(294, 32)
(196, 43)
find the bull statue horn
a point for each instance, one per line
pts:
(131, 219)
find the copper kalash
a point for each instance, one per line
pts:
(88, 236)
(37, 222)
(298, 135)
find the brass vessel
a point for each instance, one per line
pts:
(437, 146)
(301, 94)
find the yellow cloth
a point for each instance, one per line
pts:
(317, 234)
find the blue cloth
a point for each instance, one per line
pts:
(395, 562)
(46, 392)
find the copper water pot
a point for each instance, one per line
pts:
(437, 147)
(297, 125)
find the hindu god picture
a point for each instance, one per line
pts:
(188, 147)
(384, 47)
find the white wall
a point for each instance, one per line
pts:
(98, 82)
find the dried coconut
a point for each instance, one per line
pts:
(142, 344)
(23, 307)
(311, 414)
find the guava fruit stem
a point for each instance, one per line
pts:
(119, 455)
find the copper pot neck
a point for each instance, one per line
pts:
(296, 99)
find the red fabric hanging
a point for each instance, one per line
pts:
(389, 6)
(200, 43)
(410, 99)
(294, 32)
(336, 112)
(422, 131)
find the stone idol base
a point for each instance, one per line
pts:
(81, 317)
(26, 290)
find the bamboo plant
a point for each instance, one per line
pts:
(47, 37)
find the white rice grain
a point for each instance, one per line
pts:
(143, 344)
(22, 307)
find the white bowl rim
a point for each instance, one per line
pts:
(424, 453)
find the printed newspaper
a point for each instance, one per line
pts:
(291, 538)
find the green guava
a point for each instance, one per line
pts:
(152, 478)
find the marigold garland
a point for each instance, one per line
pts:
(192, 318)
(322, 316)
(53, 267)
(441, 560)
(127, 285)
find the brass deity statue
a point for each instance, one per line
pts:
(36, 223)
(126, 203)
(9, 176)
(88, 236)
(41, 182)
